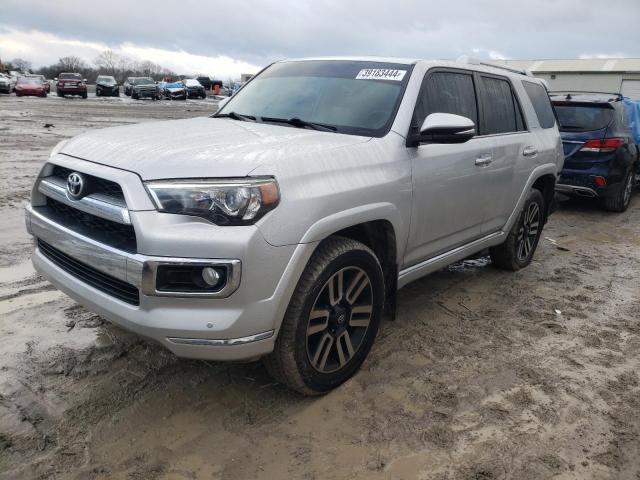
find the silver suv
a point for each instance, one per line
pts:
(282, 226)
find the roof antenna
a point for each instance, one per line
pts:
(569, 97)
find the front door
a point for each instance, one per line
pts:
(448, 190)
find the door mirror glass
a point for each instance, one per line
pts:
(446, 128)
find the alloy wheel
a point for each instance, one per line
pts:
(528, 231)
(628, 188)
(339, 320)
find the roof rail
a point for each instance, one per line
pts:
(509, 69)
(476, 61)
(618, 95)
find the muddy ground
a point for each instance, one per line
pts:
(484, 375)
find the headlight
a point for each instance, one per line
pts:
(222, 201)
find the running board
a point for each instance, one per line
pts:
(426, 267)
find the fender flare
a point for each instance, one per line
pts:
(355, 216)
(538, 172)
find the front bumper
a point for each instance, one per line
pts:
(108, 90)
(242, 325)
(146, 93)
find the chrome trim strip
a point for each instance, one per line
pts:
(137, 269)
(582, 191)
(221, 343)
(427, 266)
(95, 204)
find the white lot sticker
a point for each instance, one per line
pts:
(381, 74)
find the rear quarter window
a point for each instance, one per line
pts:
(541, 104)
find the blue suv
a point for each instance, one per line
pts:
(602, 159)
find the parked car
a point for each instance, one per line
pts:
(106, 86)
(602, 159)
(282, 226)
(173, 91)
(7, 84)
(71, 84)
(32, 86)
(194, 88)
(205, 82)
(145, 87)
(128, 85)
(43, 80)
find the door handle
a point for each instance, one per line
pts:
(484, 160)
(530, 151)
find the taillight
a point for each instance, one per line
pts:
(602, 146)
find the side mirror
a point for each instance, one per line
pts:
(446, 128)
(55, 79)
(223, 102)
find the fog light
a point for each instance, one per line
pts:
(210, 276)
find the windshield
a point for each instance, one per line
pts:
(583, 118)
(29, 81)
(354, 97)
(105, 79)
(143, 81)
(70, 76)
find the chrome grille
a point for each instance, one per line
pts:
(97, 185)
(116, 235)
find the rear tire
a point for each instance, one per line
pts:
(621, 200)
(332, 319)
(517, 250)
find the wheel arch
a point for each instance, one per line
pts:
(380, 236)
(547, 185)
(544, 175)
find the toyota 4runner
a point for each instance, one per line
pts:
(282, 226)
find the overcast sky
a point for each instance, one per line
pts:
(226, 38)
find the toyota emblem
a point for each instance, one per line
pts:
(75, 185)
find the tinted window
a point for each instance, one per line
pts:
(358, 98)
(501, 112)
(541, 104)
(448, 92)
(583, 118)
(70, 76)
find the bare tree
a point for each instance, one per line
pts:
(21, 64)
(108, 61)
(71, 64)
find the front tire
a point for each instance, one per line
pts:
(332, 319)
(518, 249)
(621, 200)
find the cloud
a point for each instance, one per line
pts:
(256, 32)
(45, 48)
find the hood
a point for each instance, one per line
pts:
(106, 84)
(200, 147)
(175, 89)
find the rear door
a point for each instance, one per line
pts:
(502, 122)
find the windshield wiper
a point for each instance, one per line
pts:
(237, 116)
(298, 122)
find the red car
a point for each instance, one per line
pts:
(30, 86)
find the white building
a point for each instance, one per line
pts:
(610, 75)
